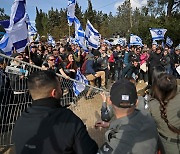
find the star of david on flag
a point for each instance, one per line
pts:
(121, 42)
(135, 40)
(157, 33)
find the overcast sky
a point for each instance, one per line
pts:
(105, 5)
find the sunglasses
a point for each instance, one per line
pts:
(19, 57)
(51, 59)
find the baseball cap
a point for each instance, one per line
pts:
(123, 94)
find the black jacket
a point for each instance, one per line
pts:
(118, 56)
(47, 128)
(154, 59)
(175, 59)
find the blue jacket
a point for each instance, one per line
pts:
(126, 58)
(89, 67)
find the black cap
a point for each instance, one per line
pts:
(123, 94)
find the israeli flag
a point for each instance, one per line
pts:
(16, 27)
(6, 44)
(157, 33)
(121, 42)
(106, 42)
(169, 42)
(154, 42)
(135, 40)
(51, 40)
(37, 38)
(79, 33)
(32, 32)
(79, 87)
(92, 36)
(71, 11)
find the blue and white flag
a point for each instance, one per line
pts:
(92, 36)
(79, 87)
(37, 38)
(79, 34)
(157, 33)
(154, 42)
(121, 42)
(16, 27)
(169, 42)
(71, 11)
(106, 42)
(135, 40)
(6, 44)
(51, 40)
(32, 32)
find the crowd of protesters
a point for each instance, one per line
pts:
(155, 66)
(108, 62)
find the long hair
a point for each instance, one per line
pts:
(165, 89)
(70, 65)
(157, 71)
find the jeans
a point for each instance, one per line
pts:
(143, 76)
(118, 74)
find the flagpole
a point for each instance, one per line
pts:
(29, 53)
(69, 31)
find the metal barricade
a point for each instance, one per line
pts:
(15, 98)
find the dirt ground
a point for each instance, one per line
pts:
(89, 112)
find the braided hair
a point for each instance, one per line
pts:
(164, 90)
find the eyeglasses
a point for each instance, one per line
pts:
(19, 57)
(51, 59)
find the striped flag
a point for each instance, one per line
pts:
(71, 11)
(16, 27)
(79, 34)
(51, 40)
(6, 44)
(79, 87)
(92, 36)
(135, 40)
(169, 42)
(157, 33)
(32, 32)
